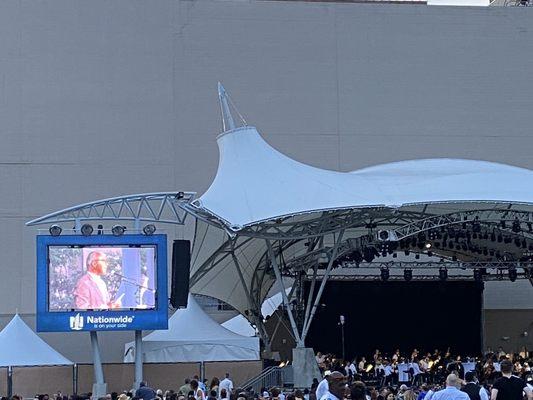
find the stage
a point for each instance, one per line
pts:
(399, 315)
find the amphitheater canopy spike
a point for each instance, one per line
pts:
(228, 122)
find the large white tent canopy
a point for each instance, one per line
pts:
(193, 335)
(257, 187)
(20, 346)
(251, 171)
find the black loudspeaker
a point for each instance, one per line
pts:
(181, 266)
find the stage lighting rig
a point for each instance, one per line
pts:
(476, 226)
(516, 226)
(118, 230)
(478, 276)
(443, 274)
(368, 254)
(87, 230)
(407, 274)
(149, 229)
(513, 274)
(385, 274)
(55, 230)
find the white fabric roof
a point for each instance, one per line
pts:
(193, 335)
(255, 183)
(240, 325)
(250, 171)
(20, 346)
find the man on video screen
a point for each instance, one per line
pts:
(91, 290)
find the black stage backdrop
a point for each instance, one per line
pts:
(404, 315)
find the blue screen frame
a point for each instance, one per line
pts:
(104, 320)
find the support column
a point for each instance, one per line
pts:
(332, 258)
(138, 359)
(279, 278)
(9, 381)
(75, 378)
(99, 386)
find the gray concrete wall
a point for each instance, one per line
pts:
(100, 99)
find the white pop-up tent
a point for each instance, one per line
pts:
(20, 346)
(193, 335)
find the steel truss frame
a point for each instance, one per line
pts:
(483, 215)
(160, 207)
(285, 232)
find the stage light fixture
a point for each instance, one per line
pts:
(383, 235)
(502, 224)
(516, 226)
(87, 229)
(118, 230)
(427, 245)
(368, 254)
(100, 230)
(385, 274)
(406, 252)
(55, 230)
(149, 229)
(180, 195)
(430, 254)
(513, 274)
(407, 274)
(443, 274)
(417, 256)
(478, 276)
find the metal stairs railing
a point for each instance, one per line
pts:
(269, 377)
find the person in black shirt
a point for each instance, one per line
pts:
(472, 389)
(509, 387)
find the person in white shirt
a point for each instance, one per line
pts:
(227, 384)
(337, 387)
(322, 388)
(352, 367)
(451, 392)
(361, 366)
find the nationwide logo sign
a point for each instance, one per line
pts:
(78, 322)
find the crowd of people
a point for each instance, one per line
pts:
(430, 376)
(429, 367)
(192, 389)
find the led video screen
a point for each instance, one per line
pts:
(100, 278)
(101, 282)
